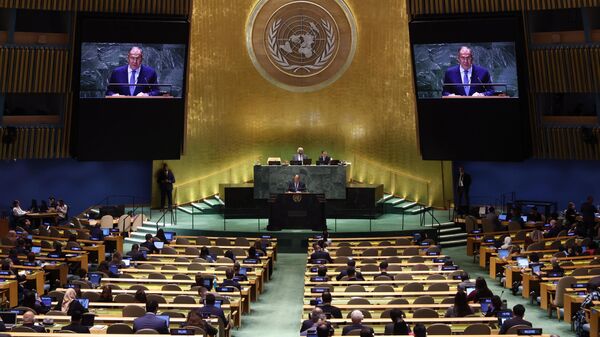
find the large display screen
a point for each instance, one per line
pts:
(466, 69)
(129, 86)
(107, 69)
(470, 85)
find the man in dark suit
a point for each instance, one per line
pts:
(327, 308)
(355, 274)
(518, 313)
(357, 317)
(150, 321)
(229, 281)
(324, 158)
(209, 309)
(149, 244)
(133, 73)
(29, 322)
(472, 77)
(75, 325)
(165, 181)
(463, 184)
(296, 185)
(320, 254)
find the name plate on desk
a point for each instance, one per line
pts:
(323, 179)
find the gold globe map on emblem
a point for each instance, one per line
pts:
(301, 45)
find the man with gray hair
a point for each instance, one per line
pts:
(466, 78)
(357, 317)
(134, 74)
(315, 315)
(299, 156)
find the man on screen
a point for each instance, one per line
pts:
(458, 79)
(133, 73)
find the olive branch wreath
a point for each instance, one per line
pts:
(320, 62)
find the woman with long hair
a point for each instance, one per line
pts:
(461, 306)
(481, 291)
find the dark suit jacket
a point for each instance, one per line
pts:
(321, 255)
(150, 245)
(334, 311)
(37, 328)
(509, 323)
(231, 283)
(466, 180)
(478, 75)
(165, 180)
(351, 327)
(344, 272)
(77, 328)
(292, 187)
(323, 161)
(147, 75)
(213, 311)
(150, 321)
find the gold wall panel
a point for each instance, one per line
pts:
(34, 70)
(235, 117)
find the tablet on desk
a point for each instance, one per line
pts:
(159, 244)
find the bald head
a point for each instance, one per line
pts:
(28, 318)
(316, 314)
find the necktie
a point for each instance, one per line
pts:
(466, 81)
(296, 187)
(132, 81)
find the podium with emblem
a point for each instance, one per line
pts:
(297, 211)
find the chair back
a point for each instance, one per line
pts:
(439, 329)
(106, 221)
(514, 329)
(564, 283)
(119, 328)
(478, 329)
(133, 310)
(425, 313)
(146, 332)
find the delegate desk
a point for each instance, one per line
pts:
(324, 179)
(297, 211)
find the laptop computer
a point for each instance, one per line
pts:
(46, 301)
(485, 304)
(536, 268)
(295, 162)
(502, 217)
(307, 161)
(523, 262)
(36, 249)
(503, 315)
(169, 235)
(9, 318)
(524, 218)
(95, 279)
(503, 253)
(126, 261)
(85, 302)
(159, 244)
(468, 290)
(106, 231)
(114, 269)
(334, 162)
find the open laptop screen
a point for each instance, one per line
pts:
(9, 318)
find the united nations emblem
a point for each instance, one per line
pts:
(301, 45)
(297, 198)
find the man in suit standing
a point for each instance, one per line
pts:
(150, 321)
(463, 184)
(299, 156)
(324, 158)
(472, 77)
(133, 73)
(165, 180)
(296, 185)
